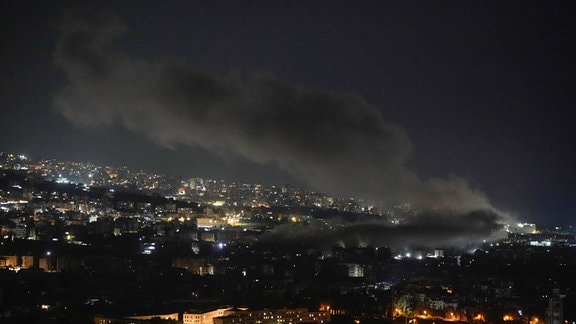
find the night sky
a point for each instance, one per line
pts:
(457, 104)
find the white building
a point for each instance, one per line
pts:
(203, 317)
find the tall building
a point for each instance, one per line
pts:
(555, 308)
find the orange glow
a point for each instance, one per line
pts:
(507, 318)
(324, 307)
(478, 317)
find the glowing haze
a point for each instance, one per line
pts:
(335, 142)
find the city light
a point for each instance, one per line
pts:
(197, 242)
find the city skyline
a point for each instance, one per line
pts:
(299, 214)
(135, 246)
(468, 96)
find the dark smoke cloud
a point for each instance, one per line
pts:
(336, 142)
(430, 229)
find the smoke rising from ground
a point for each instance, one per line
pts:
(336, 142)
(429, 229)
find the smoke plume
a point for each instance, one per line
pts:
(428, 229)
(336, 142)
